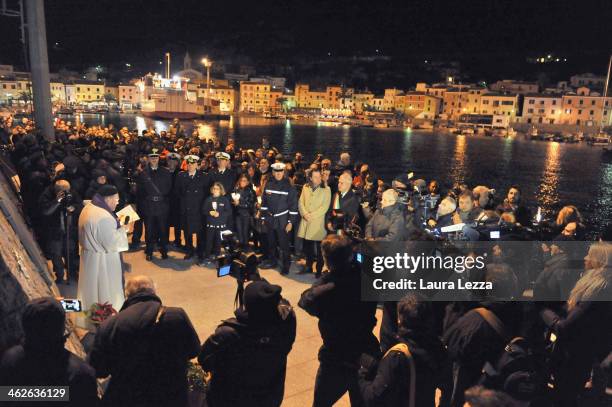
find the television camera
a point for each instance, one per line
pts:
(237, 263)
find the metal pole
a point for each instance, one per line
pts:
(39, 63)
(605, 96)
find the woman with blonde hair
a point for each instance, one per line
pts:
(584, 335)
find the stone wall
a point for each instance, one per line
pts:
(24, 274)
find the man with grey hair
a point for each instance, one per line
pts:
(145, 348)
(344, 164)
(387, 224)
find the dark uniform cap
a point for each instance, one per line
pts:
(154, 152)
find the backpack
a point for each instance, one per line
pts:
(516, 369)
(403, 349)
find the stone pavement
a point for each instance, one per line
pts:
(208, 299)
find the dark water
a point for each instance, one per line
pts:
(550, 174)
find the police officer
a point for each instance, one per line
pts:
(155, 182)
(174, 220)
(223, 174)
(279, 213)
(192, 186)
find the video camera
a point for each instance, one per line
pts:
(236, 263)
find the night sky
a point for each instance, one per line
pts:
(283, 31)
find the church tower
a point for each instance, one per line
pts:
(187, 62)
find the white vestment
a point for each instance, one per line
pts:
(100, 274)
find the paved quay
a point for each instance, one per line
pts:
(208, 299)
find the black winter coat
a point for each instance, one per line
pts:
(20, 367)
(223, 207)
(390, 386)
(387, 224)
(227, 178)
(192, 192)
(345, 322)
(248, 360)
(147, 361)
(155, 187)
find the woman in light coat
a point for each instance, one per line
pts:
(313, 204)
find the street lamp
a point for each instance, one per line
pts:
(207, 63)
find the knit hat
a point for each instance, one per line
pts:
(107, 190)
(261, 300)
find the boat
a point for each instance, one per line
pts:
(381, 124)
(268, 115)
(173, 104)
(547, 136)
(65, 110)
(499, 132)
(424, 126)
(329, 123)
(467, 131)
(601, 139)
(532, 133)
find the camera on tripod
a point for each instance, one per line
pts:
(235, 262)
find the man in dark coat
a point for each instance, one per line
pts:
(192, 186)
(223, 174)
(145, 348)
(344, 206)
(60, 207)
(155, 183)
(42, 360)
(345, 324)
(174, 217)
(472, 341)
(420, 352)
(279, 212)
(247, 355)
(387, 224)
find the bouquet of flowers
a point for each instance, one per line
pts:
(99, 313)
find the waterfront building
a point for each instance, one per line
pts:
(499, 104)
(130, 95)
(254, 97)
(589, 80)
(362, 101)
(84, 92)
(542, 108)
(586, 108)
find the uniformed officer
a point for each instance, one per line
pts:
(192, 186)
(223, 174)
(279, 212)
(174, 220)
(155, 182)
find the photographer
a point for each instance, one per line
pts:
(418, 358)
(336, 300)
(42, 359)
(387, 224)
(60, 209)
(247, 354)
(344, 206)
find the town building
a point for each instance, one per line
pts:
(84, 92)
(586, 108)
(589, 80)
(254, 97)
(542, 108)
(512, 86)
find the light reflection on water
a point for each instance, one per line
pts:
(550, 174)
(548, 196)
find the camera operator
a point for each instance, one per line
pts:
(336, 300)
(60, 208)
(247, 354)
(387, 224)
(42, 359)
(344, 206)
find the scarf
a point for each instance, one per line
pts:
(98, 201)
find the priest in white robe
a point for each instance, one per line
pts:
(102, 239)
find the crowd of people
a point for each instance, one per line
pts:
(483, 352)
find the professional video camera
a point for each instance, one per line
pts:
(236, 263)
